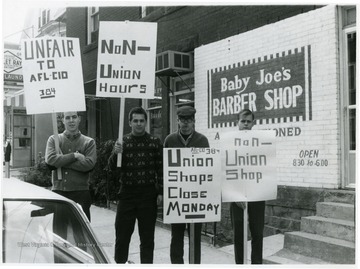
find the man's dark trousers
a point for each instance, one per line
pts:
(136, 203)
(83, 198)
(256, 217)
(177, 243)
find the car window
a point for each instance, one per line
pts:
(46, 232)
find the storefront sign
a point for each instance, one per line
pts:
(276, 89)
(126, 59)
(192, 185)
(53, 80)
(248, 166)
(12, 66)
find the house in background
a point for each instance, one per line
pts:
(28, 133)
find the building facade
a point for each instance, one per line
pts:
(28, 133)
(294, 66)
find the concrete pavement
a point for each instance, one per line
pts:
(102, 222)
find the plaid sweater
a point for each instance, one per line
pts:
(142, 163)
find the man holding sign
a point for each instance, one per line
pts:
(141, 178)
(185, 137)
(256, 211)
(77, 157)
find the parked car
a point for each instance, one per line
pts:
(40, 226)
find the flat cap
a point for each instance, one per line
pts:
(186, 111)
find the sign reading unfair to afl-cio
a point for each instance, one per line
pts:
(126, 59)
(248, 166)
(52, 73)
(192, 185)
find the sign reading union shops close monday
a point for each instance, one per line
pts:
(53, 80)
(192, 185)
(277, 88)
(248, 166)
(126, 59)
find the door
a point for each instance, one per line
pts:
(22, 126)
(348, 90)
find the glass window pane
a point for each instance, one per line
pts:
(155, 122)
(45, 232)
(22, 120)
(187, 98)
(352, 125)
(352, 68)
(350, 16)
(96, 22)
(156, 102)
(181, 85)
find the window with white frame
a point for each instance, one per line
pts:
(146, 10)
(44, 17)
(93, 24)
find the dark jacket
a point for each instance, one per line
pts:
(195, 140)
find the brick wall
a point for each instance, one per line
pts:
(185, 28)
(317, 132)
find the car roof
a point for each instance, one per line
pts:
(13, 188)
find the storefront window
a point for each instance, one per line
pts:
(154, 108)
(351, 39)
(184, 91)
(348, 52)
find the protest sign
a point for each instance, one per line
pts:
(192, 185)
(126, 59)
(52, 74)
(248, 166)
(126, 63)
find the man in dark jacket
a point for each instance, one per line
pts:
(141, 179)
(185, 137)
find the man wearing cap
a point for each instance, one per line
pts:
(185, 137)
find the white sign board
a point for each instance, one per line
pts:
(12, 65)
(248, 166)
(192, 185)
(52, 72)
(126, 59)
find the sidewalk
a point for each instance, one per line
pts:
(102, 222)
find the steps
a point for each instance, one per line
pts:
(327, 238)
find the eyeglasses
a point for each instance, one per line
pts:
(185, 119)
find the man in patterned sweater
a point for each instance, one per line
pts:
(141, 178)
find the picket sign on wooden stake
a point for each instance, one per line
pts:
(192, 243)
(245, 232)
(121, 128)
(56, 138)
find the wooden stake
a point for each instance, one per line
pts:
(121, 127)
(192, 243)
(56, 138)
(245, 232)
